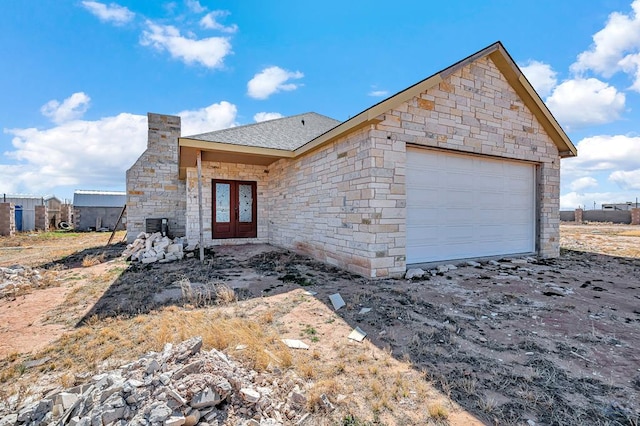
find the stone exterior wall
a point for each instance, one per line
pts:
(66, 214)
(217, 170)
(635, 216)
(475, 110)
(42, 218)
(343, 204)
(7, 219)
(153, 187)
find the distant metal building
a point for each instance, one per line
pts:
(620, 206)
(25, 209)
(96, 210)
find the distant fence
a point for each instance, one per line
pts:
(613, 216)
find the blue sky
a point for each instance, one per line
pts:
(78, 77)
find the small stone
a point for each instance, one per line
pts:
(159, 413)
(326, 403)
(110, 416)
(298, 399)
(295, 344)
(164, 379)
(192, 419)
(66, 399)
(250, 395)
(473, 264)
(152, 367)
(9, 420)
(414, 273)
(175, 421)
(174, 248)
(192, 368)
(443, 269)
(206, 398)
(175, 395)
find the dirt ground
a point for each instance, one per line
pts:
(546, 341)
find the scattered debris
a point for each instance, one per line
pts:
(414, 273)
(364, 311)
(295, 344)
(337, 301)
(357, 334)
(18, 279)
(151, 248)
(179, 386)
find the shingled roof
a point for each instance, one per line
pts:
(288, 133)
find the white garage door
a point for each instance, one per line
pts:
(463, 206)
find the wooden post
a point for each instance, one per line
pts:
(199, 162)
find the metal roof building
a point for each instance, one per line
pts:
(85, 198)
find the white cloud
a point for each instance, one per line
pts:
(272, 80)
(598, 153)
(214, 117)
(195, 6)
(209, 52)
(615, 48)
(580, 184)
(378, 93)
(585, 102)
(265, 116)
(620, 35)
(541, 76)
(210, 22)
(114, 13)
(626, 179)
(91, 154)
(71, 108)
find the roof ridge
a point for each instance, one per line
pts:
(262, 122)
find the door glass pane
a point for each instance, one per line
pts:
(223, 202)
(246, 202)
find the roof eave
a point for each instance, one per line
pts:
(244, 153)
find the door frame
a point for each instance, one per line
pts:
(234, 228)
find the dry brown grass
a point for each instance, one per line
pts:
(630, 233)
(36, 248)
(438, 412)
(93, 259)
(115, 340)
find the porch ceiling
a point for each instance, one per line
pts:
(225, 153)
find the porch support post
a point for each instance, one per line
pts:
(199, 162)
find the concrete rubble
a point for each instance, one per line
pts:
(18, 277)
(182, 385)
(517, 263)
(151, 248)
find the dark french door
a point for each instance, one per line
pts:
(234, 209)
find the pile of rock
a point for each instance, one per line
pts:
(506, 263)
(180, 386)
(150, 248)
(17, 279)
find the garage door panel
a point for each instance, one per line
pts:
(461, 206)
